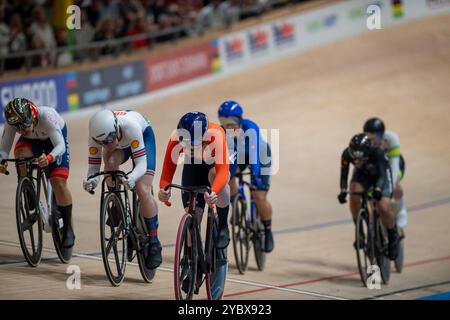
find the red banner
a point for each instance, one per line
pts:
(179, 66)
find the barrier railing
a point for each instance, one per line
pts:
(92, 51)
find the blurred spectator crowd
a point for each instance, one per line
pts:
(28, 25)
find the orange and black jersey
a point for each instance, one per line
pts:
(218, 155)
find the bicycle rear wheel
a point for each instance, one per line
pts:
(240, 234)
(29, 222)
(258, 239)
(113, 238)
(363, 247)
(401, 252)
(64, 254)
(382, 258)
(146, 273)
(186, 260)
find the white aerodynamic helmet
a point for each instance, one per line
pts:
(103, 127)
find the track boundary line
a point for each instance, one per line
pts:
(387, 294)
(167, 269)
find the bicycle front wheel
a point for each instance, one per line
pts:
(363, 245)
(186, 260)
(29, 222)
(240, 234)
(113, 232)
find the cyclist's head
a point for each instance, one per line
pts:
(103, 127)
(19, 114)
(196, 125)
(359, 147)
(230, 114)
(375, 128)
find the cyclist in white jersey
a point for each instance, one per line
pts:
(43, 134)
(115, 137)
(390, 142)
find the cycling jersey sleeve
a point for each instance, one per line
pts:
(222, 165)
(254, 146)
(345, 165)
(7, 140)
(95, 157)
(393, 153)
(138, 153)
(169, 167)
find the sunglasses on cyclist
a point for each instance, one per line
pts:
(110, 138)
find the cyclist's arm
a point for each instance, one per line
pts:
(7, 140)
(59, 146)
(169, 166)
(95, 157)
(138, 153)
(394, 154)
(221, 164)
(254, 146)
(345, 165)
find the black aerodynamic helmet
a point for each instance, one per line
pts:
(360, 146)
(374, 126)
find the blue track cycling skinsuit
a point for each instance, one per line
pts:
(245, 151)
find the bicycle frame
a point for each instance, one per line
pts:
(206, 262)
(41, 173)
(242, 184)
(115, 177)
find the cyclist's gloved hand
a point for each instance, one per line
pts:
(376, 194)
(44, 160)
(342, 197)
(164, 195)
(90, 184)
(211, 198)
(129, 183)
(3, 167)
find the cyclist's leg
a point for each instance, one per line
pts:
(360, 182)
(384, 205)
(388, 218)
(59, 173)
(402, 216)
(26, 148)
(195, 175)
(23, 149)
(148, 207)
(113, 159)
(222, 206)
(149, 211)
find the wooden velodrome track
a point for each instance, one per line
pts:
(317, 99)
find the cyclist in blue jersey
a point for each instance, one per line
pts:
(247, 148)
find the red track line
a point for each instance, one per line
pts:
(345, 275)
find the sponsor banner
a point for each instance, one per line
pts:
(182, 65)
(107, 84)
(255, 43)
(438, 4)
(48, 91)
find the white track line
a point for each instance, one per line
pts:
(166, 269)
